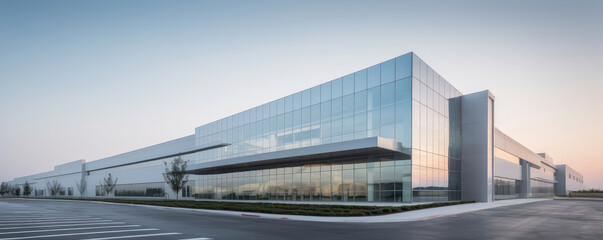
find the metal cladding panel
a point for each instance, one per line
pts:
(511, 146)
(70, 167)
(506, 169)
(179, 145)
(477, 146)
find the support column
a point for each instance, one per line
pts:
(477, 157)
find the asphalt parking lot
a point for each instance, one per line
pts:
(52, 219)
(39, 221)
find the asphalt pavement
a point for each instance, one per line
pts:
(55, 219)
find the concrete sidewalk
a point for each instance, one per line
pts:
(416, 215)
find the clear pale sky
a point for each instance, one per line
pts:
(91, 79)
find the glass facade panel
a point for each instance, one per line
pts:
(435, 136)
(388, 73)
(348, 84)
(506, 188)
(360, 80)
(140, 190)
(374, 76)
(542, 189)
(359, 179)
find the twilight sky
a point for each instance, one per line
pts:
(91, 79)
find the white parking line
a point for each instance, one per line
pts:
(39, 218)
(84, 233)
(19, 224)
(68, 229)
(6, 217)
(50, 220)
(63, 225)
(197, 239)
(134, 236)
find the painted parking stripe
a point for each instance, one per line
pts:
(39, 218)
(63, 225)
(60, 222)
(50, 220)
(197, 239)
(134, 236)
(84, 233)
(67, 229)
(4, 217)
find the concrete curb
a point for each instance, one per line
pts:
(416, 215)
(579, 199)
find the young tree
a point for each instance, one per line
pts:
(27, 189)
(4, 188)
(81, 186)
(54, 187)
(109, 184)
(175, 175)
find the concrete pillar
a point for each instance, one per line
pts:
(477, 156)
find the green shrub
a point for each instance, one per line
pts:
(280, 208)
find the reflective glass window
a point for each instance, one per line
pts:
(360, 101)
(315, 113)
(388, 71)
(315, 95)
(336, 88)
(280, 106)
(288, 120)
(306, 115)
(272, 110)
(388, 115)
(325, 110)
(265, 111)
(403, 66)
(374, 98)
(289, 103)
(374, 119)
(360, 121)
(374, 76)
(336, 107)
(360, 80)
(297, 100)
(306, 98)
(336, 127)
(404, 90)
(348, 125)
(297, 118)
(325, 92)
(388, 94)
(348, 84)
(348, 104)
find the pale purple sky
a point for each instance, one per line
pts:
(91, 79)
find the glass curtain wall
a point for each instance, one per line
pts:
(505, 188)
(156, 189)
(436, 136)
(542, 181)
(372, 179)
(542, 189)
(375, 101)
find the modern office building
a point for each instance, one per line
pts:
(393, 132)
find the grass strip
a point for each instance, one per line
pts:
(280, 208)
